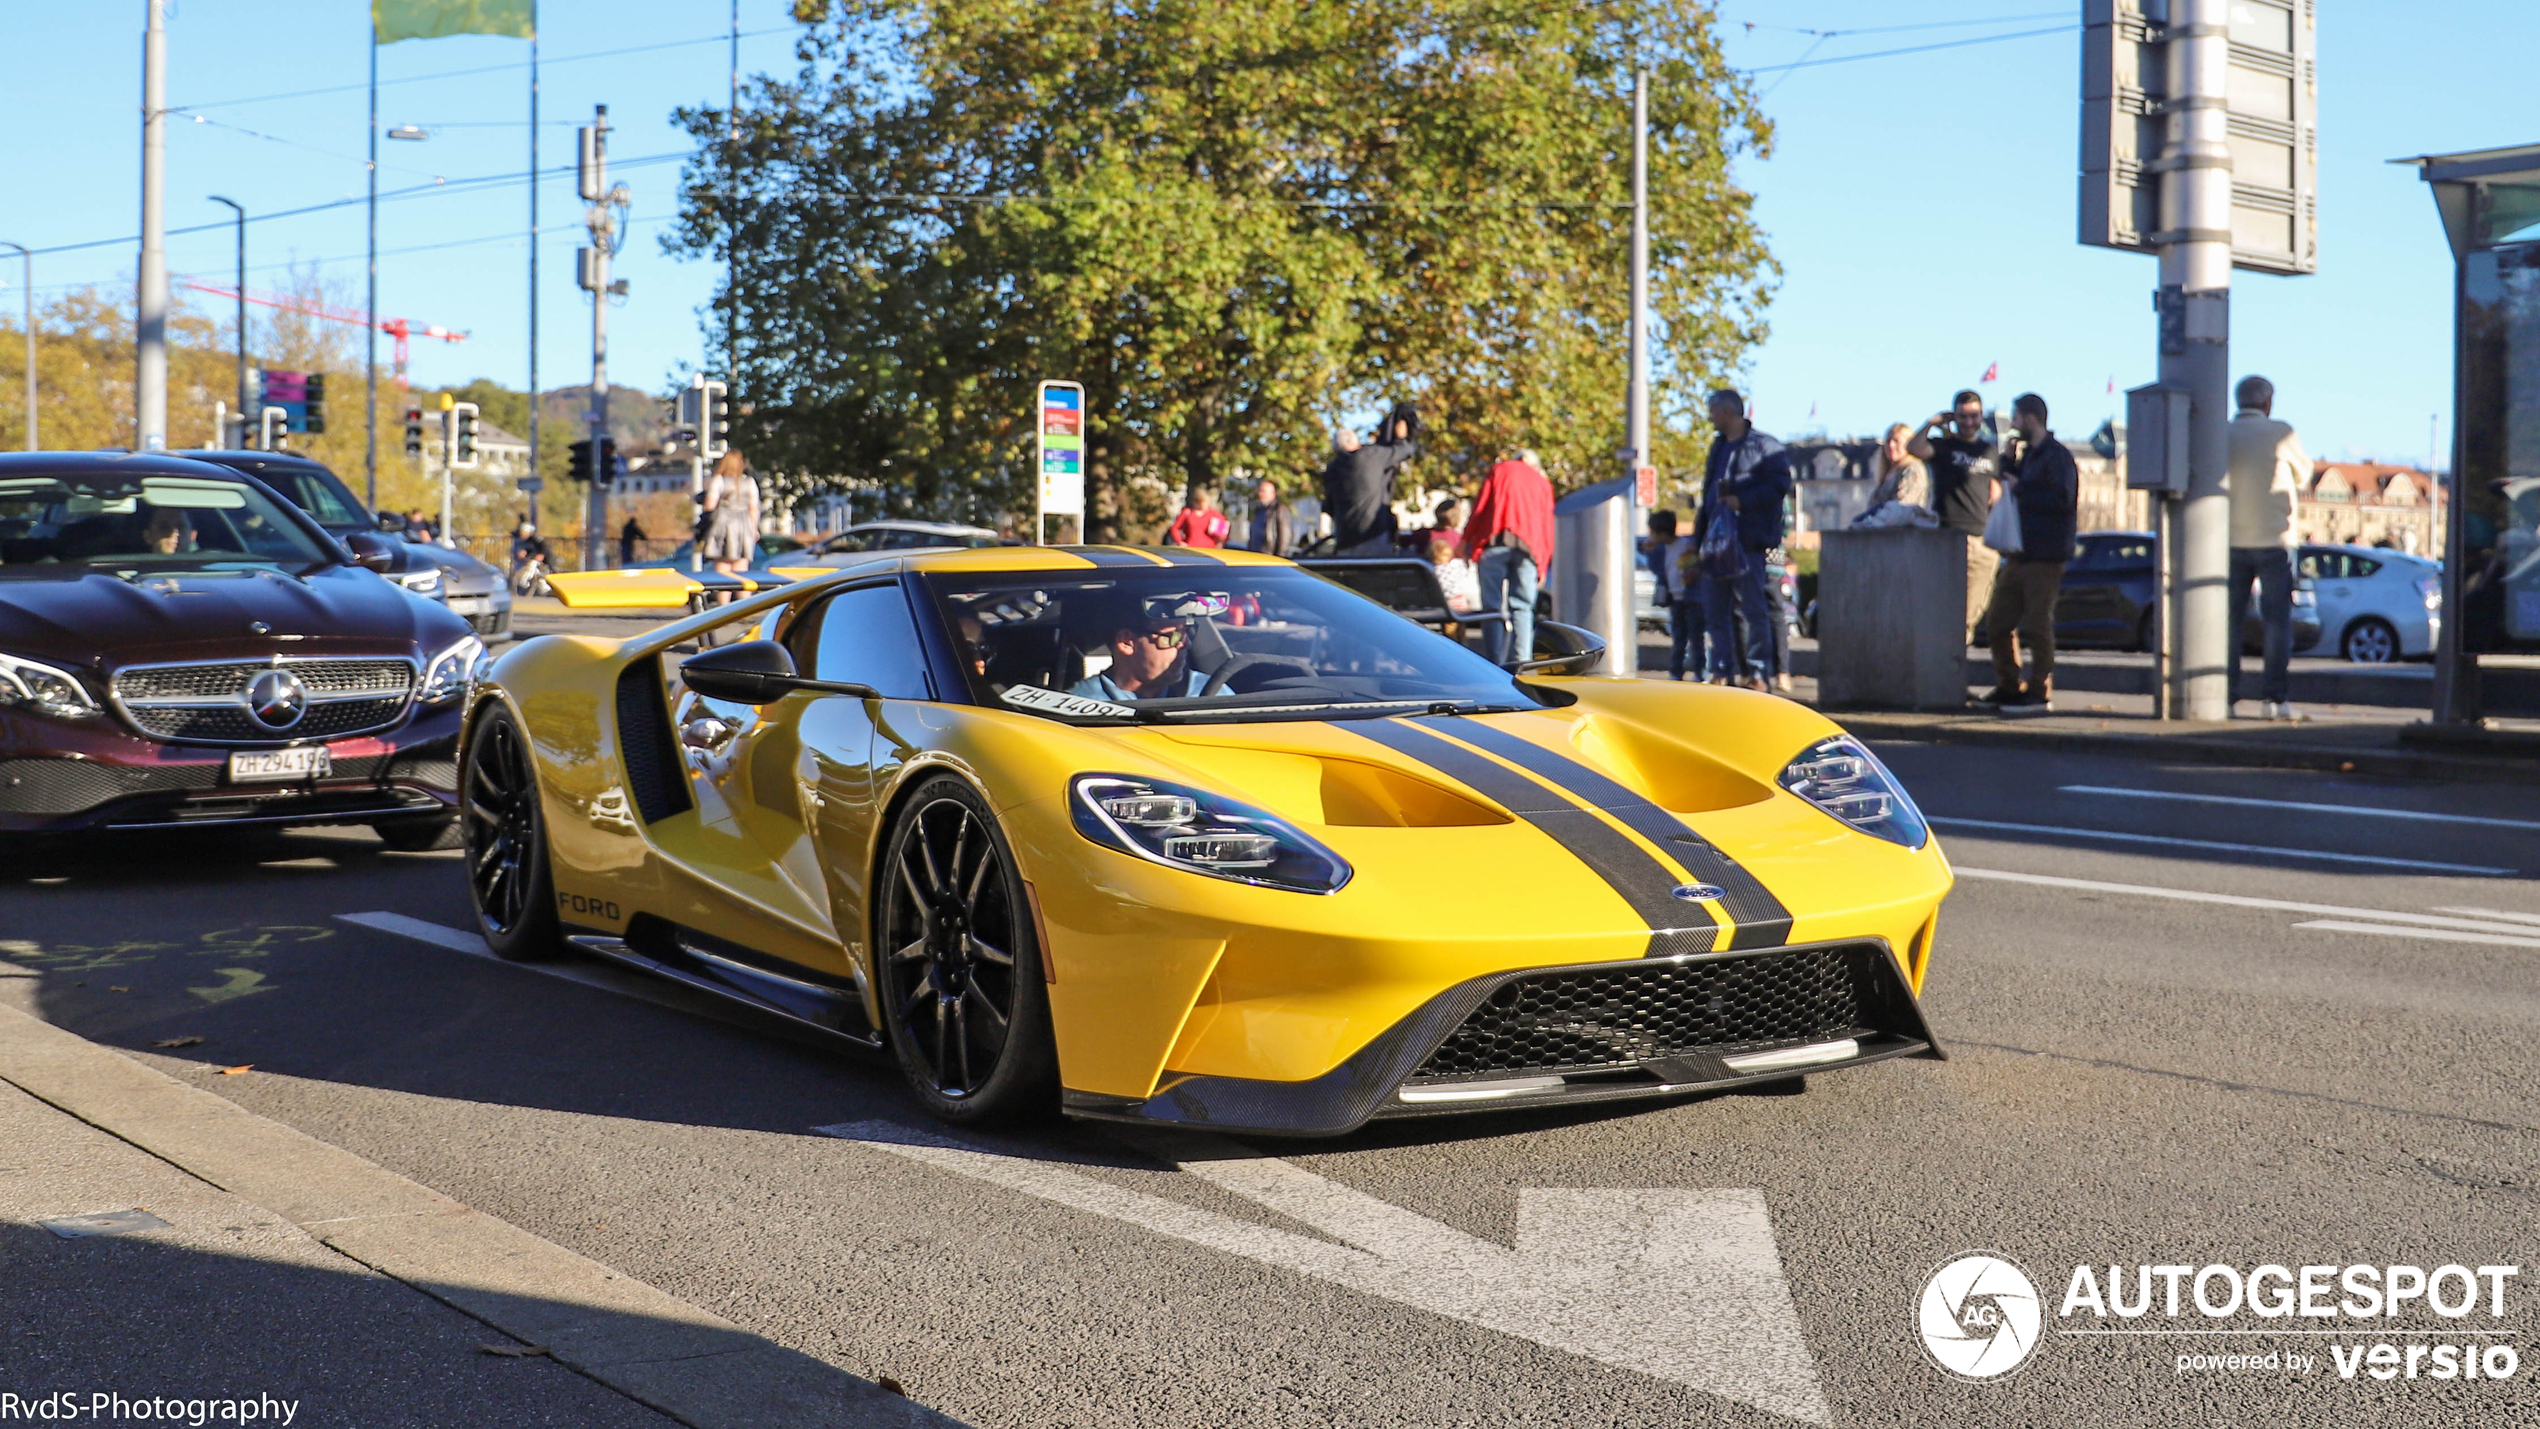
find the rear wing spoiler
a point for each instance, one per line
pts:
(661, 588)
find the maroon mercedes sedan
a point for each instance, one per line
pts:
(180, 646)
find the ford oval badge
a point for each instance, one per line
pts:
(1699, 892)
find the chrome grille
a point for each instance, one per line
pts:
(206, 701)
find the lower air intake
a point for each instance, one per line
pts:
(1624, 1014)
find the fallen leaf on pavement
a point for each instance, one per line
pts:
(891, 1386)
(118, 989)
(234, 1071)
(178, 1042)
(512, 1352)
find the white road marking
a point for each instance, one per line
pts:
(2360, 810)
(2401, 930)
(1681, 1285)
(2496, 913)
(2279, 905)
(2111, 836)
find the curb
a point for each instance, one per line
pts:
(694, 1366)
(2199, 749)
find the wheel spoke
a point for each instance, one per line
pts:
(926, 850)
(943, 1027)
(979, 876)
(995, 1017)
(961, 1038)
(908, 1007)
(917, 895)
(988, 952)
(961, 845)
(914, 951)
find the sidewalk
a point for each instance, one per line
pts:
(2373, 739)
(159, 1243)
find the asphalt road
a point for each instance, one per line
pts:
(2135, 1078)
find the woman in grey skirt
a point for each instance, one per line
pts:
(730, 535)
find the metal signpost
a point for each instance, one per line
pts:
(2199, 143)
(1058, 449)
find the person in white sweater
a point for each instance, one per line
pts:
(2268, 467)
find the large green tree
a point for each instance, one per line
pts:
(1235, 221)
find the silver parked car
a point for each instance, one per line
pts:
(2376, 605)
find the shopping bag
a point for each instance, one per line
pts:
(1723, 557)
(2002, 528)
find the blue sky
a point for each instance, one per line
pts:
(1922, 205)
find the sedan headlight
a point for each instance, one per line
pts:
(425, 582)
(1846, 780)
(446, 678)
(1199, 832)
(42, 689)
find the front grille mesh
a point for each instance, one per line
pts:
(346, 697)
(1628, 1013)
(228, 678)
(232, 723)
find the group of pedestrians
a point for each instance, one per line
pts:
(2018, 501)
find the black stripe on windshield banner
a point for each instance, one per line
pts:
(1762, 921)
(1643, 882)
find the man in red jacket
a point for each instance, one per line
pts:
(1510, 538)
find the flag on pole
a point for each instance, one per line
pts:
(1992, 373)
(395, 20)
(2112, 382)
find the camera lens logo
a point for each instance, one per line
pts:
(1979, 1317)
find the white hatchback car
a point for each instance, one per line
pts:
(2375, 605)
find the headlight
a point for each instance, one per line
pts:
(42, 689)
(1200, 832)
(447, 676)
(1846, 780)
(425, 582)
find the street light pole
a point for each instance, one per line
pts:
(2195, 302)
(370, 302)
(222, 438)
(28, 256)
(150, 328)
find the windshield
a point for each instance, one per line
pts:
(150, 523)
(1175, 643)
(319, 494)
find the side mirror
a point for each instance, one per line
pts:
(371, 551)
(755, 672)
(392, 522)
(1563, 650)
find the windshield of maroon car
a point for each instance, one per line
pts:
(1179, 642)
(154, 523)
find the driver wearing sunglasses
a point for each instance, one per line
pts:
(1150, 659)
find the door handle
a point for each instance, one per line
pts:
(708, 732)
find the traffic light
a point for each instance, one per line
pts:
(414, 431)
(715, 437)
(315, 422)
(580, 466)
(463, 435)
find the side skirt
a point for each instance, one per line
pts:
(737, 974)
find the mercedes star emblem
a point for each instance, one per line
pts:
(277, 699)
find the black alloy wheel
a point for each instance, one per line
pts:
(960, 985)
(505, 841)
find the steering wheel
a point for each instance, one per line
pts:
(1227, 672)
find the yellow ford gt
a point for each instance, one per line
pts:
(1197, 838)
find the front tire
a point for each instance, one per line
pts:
(505, 841)
(960, 985)
(2370, 641)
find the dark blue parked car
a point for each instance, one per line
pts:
(2106, 598)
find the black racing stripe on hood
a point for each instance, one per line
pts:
(1114, 556)
(1181, 556)
(1644, 883)
(1762, 921)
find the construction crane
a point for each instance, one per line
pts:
(397, 328)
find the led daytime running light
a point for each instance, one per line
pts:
(31, 685)
(1842, 777)
(1199, 832)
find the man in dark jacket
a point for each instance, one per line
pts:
(1358, 487)
(1273, 522)
(1744, 483)
(2046, 487)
